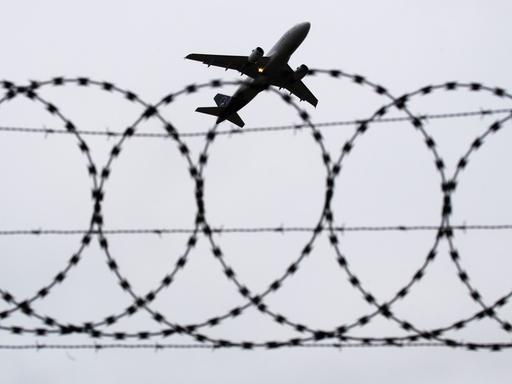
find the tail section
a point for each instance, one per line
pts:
(222, 101)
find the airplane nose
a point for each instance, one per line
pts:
(302, 30)
(305, 26)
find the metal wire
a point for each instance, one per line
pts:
(276, 128)
(162, 346)
(310, 336)
(256, 230)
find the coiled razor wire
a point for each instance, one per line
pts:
(339, 337)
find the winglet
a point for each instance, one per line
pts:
(193, 56)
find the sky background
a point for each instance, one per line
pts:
(259, 179)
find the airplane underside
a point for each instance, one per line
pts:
(264, 70)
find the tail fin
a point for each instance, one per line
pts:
(221, 100)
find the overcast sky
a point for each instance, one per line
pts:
(257, 179)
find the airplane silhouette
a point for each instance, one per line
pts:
(272, 69)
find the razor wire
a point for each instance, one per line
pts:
(340, 336)
(275, 128)
(255, 230)
(163, 346)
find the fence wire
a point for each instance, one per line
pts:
(342, 336)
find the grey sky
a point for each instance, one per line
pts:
(255, 180)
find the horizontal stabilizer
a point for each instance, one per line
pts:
(236, 119)
(214, 111)
(217, 111)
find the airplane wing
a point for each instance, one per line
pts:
(299, 89)
(296, 87)
(238, 63)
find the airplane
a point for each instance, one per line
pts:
(272, 69)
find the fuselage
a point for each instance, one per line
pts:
(271, 73)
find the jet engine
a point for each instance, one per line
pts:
(256, 55)
(300, 72)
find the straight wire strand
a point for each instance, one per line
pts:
(249, 230)
(157, 346)
(426, 117)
